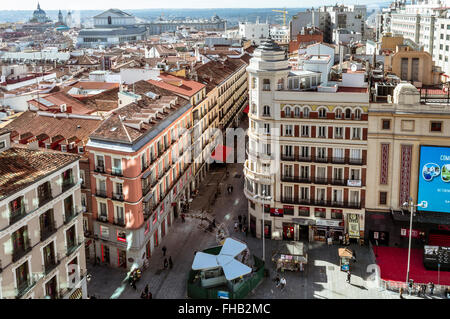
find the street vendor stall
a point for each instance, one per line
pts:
(290, 256)
(345, 255)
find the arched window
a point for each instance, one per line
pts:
(287, 111)
(109, 20)
(348, 113)
(357, 114)
(322, 113)
(266, 110)
(266, 85)
(306, 112)
(338, 114)
(297, 111)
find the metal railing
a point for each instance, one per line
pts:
(101, 193)
(50, 265)
(295, 179)
(68, 183)
(72, 247)
(20, 252)
(116, 172)
(48, 231)
(118, 196)
(26, 286)
(17, 214)
(45, 199)
(99, 169)
(70, 214)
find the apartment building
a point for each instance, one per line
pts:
(307, 152)
(140, 167)
(403, 137)
(41, 231)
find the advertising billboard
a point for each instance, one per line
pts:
(434, 179)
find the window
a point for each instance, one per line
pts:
(338, 132)
(320, 213)
(288, 150)
(288, 170)
(436, 127)
(386, 124)
(120, 216)
(336, 215)
(348, 113)
(383, 198)
(306, 112)
(266, 110)
(338, 114)
(297, 112)
(288, 192)
(304, 193)
(265, 190)
(322, 131)
(357, 114)
(304, 151)
(266, 85)
(117, 166)
(356, 133)
(100, 162)
(104, 231)
(280, 84)
(305, 130)
(354, 174)
(322, 113)
(287, 111)
(288, 130)
(266, 128)
(321, 153)
(103, 210)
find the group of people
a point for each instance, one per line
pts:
(280, 282)
(241, 225)
(422, 289)
(167, 263)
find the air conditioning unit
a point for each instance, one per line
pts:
(103, 218)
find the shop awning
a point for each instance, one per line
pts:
(247, 108)
(221, 153)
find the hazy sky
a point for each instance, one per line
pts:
(152, 4)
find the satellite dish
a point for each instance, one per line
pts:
(353, 68)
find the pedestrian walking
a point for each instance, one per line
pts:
(424, 289)
(149, 295)
(447, 293)
(431, 285)
(236, 225)
(146, 289)
(349, 276)
(164, 249)
(240, 218)
(354, 255)
(401, 292)
(170, 262)
(166, 263)
(277, 280)
(282, 283)
(410, 286)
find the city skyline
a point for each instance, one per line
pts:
(143, 4)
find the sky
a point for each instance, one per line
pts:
(152, 4)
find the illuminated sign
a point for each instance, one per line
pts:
(434, 179)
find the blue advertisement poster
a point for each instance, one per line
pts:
(434, 179)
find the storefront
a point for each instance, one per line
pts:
(267, 229)
(328, 228)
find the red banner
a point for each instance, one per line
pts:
(277, 212)
(404, 232)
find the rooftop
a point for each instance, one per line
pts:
(178, 85)
(21, 167)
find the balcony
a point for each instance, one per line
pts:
(68, 183)
(20, 252)
(102, 218)
(321, 180)
(146, 189)
(70, 214)
(48, 231)
(340, 204)
(297, 201)
(45, 199)
(145, 166)
(17, 214)
(355, 161)
(73, 246)
(118, 196)
(293, 179)
(101, 193)
(338, 160)
(116, 171)
(339, 182)
(50, 265)
(119, 222)
(26, 286)
(99, 169)
(285, 157)
(303, 158)
(321, 159)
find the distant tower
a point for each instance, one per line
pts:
(69, 19)
(60, 17)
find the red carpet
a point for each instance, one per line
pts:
(393, 262)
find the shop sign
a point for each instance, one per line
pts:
(336, 210)
(303, 208)
(320, 210)
(276, 212)
(327, 222)
(404, 232)
(353, 226)
(354, 182)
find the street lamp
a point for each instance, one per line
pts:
(423, 204)
(263, 197)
